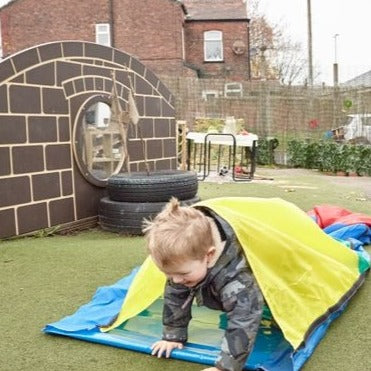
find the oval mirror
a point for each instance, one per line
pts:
(98, 143)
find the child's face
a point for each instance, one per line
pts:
(188, 273)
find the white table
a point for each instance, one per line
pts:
(233, 141)
(216, 138)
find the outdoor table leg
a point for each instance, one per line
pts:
(195, 156)
(189, 152)
(205, 161)
(229, 156)
(204, 156)
(208, 158)
(253, 159)
(200, 162)
(218, 161)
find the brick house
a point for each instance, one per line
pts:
(205, 38)
(217, 38)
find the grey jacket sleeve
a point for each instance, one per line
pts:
(243, 304)
(176, 312)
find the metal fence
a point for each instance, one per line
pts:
(267, 108)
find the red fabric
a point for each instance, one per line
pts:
(313, 124)
(327, 215)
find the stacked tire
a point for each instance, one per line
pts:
(137, 196)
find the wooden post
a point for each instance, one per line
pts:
(182, 126)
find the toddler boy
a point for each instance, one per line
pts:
(198, 252)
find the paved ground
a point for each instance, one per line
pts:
(360, 182)
(280, 176)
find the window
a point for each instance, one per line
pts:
(213, 46)
(233, 89)
(103, 34)
(210, 94)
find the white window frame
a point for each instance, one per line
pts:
(103, 34)
(212, 39)
(210, 94)
(233, 89)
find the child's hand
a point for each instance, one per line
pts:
(162, 346)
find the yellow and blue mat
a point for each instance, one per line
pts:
(307, 278)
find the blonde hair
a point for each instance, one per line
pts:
(178, 233)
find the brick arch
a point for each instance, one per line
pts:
(42, 90)
(85, 84)
(80, 53)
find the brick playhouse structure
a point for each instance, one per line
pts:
(43, 91)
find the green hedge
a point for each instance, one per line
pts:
(265, 150)
(330, 156)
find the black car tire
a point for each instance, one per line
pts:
(127, 217)
(158, 186)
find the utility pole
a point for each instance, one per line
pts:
(112, 22)
(310, 54)
(248, 42)
(248, 51)
(336, 67)
(336, 85)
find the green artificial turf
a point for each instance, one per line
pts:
(45, 279)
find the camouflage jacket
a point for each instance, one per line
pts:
(230, 287)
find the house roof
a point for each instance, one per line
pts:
(361, 80)
(6, 3)
(181, 3)
(209, 10)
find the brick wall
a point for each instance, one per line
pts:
(150, 30)
(234, 67)
(26, 23)
(43, 91)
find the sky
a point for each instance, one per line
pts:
(349, 19)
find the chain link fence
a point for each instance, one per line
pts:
(267, 108)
